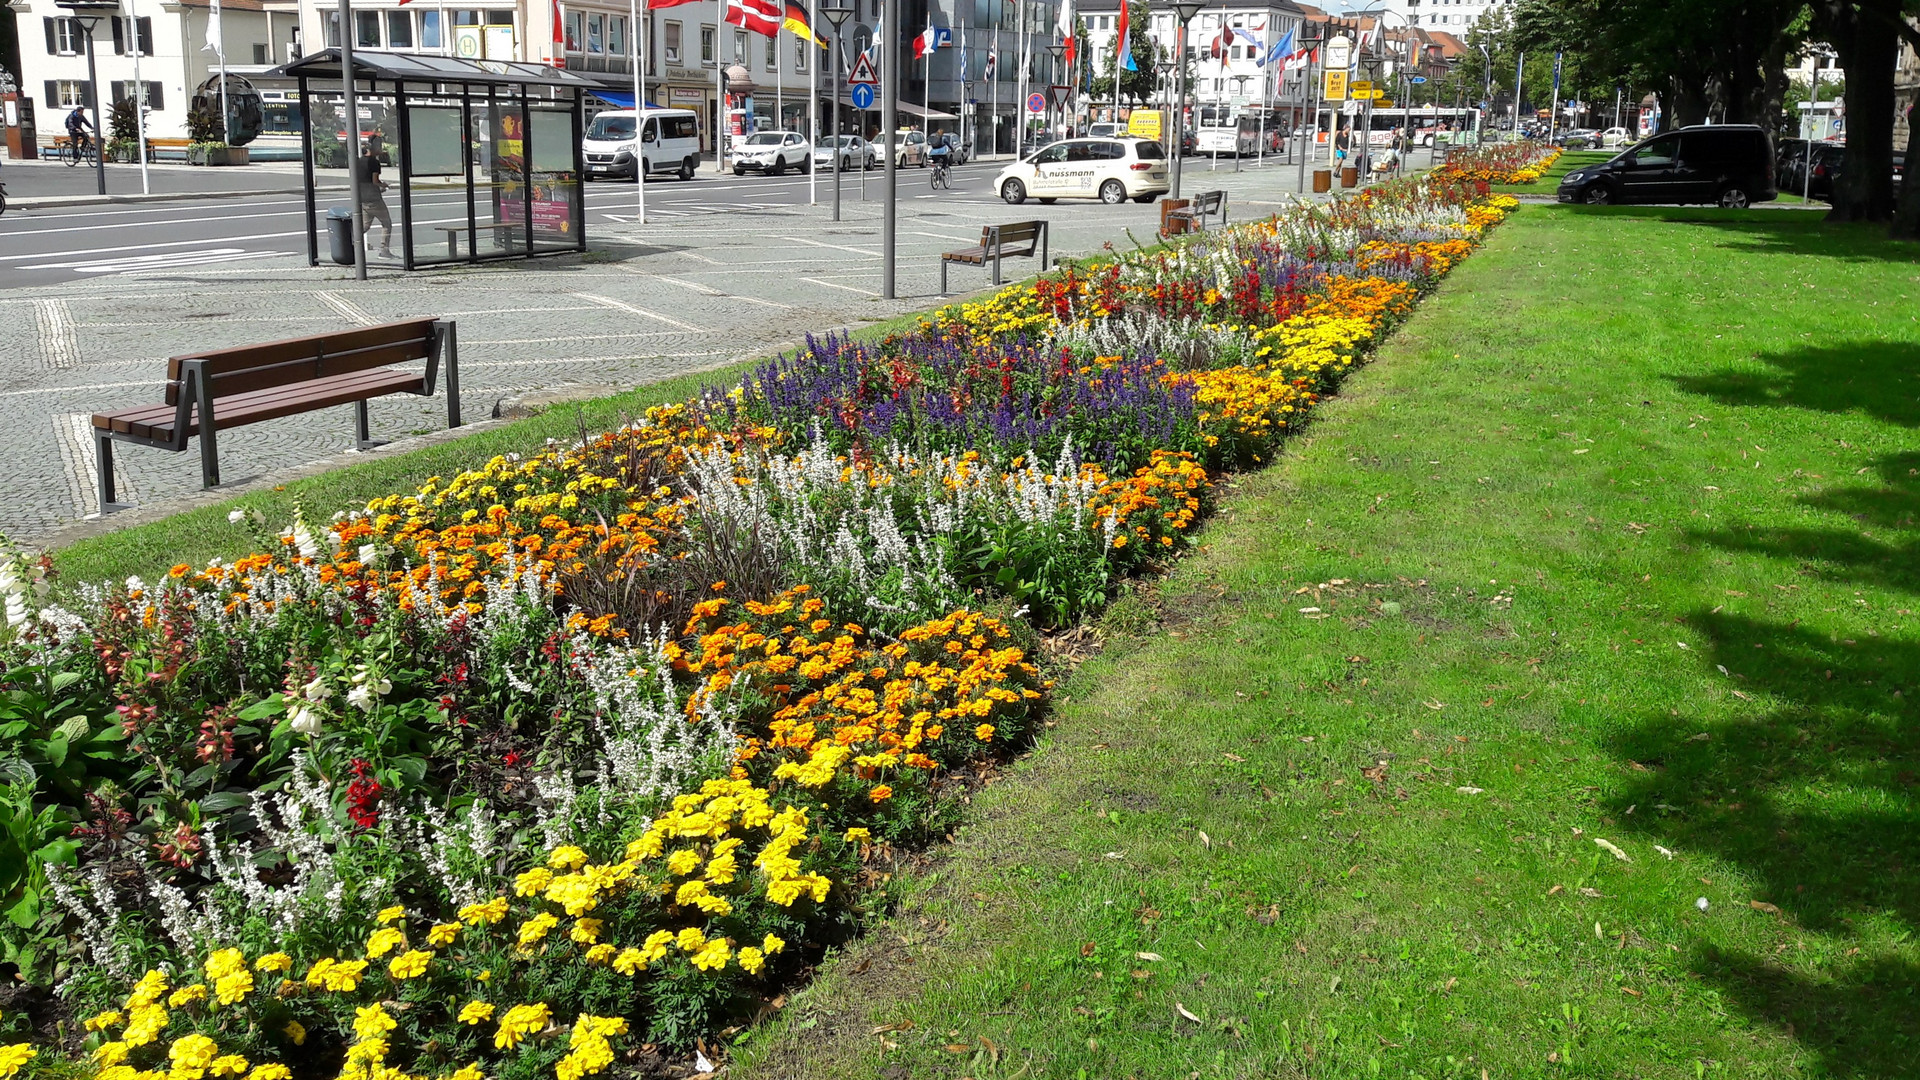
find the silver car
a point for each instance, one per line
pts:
(854, 151)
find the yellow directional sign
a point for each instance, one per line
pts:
(1380, 95)
(1383, 103)
(1336, 89)
(1144, 124)
(1361, 87)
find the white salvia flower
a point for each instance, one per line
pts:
(235, 517)
(369, 552)
(304, 718)
(317, 690)
(363, 698)
(134, 584)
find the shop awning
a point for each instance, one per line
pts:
(419, 67)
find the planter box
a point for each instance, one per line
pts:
(218, 155)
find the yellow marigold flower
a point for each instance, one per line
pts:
(191, 1052)
(296, 1031)
(102, 1021)
(144, 1025)
(752, 960)
(187, 995)
(409, 965)
(469, 1071)
(984, 732)
(586, 931)
(490, 912)
(273, 961)
(228, 1065)
(713, 956)
(392, 914)
(600, 954)
(14, 1058)
(372, 1022)
(385, 940)
(443, 934)
(270, 1071)
(533, 882)
(343, 976)
(536, 928)
(520, 1022)
(683, 862)
(233, 986)
(567, 857)
(224, 961)
(111, 1053)
(772, 945)
(880, 793)
(721, 869)
(474, 1012)
(858, 835)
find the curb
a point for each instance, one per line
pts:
(53, 202)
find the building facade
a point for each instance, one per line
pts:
(1225, 49)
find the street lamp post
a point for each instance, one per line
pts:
(837, 13)
(889, 80)
(1162, 71)
(1184, 10)
(1059, 54)
(88, 14)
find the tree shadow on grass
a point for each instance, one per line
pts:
(1878, 378)
(1862, 1020)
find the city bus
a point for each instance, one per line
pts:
(1239, 129)
(1431, 125)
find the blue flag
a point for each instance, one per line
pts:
(1281, 50)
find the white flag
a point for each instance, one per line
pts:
(1066, 20)
(213, 44)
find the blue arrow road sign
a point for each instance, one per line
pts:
(1416, 78)
(862, 95)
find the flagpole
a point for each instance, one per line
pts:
(139, 98)
(353, 142)
(640, 56)
(719, 89)
(1311, 129)
(813, 112)
(993, 83)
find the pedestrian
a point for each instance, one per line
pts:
(1342, 142)
(373, 205)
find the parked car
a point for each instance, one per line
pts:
(1105, 130)
(1578, 139)
(772, 153)
(956, 150)
(855, 153)
(1728, 164)
(1615, 136)
(1111, 170)
(668, 143)
(1797, 175)
(1034, 143)
(909, 148)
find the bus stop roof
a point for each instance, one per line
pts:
(416, 67)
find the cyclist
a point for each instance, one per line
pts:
(77, 128)
(940, 153)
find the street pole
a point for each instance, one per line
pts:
(1311, 130)
(1813, 102)
(139, 98)
(99, 129)
(640, 56)
(353, 142)
(813, 113)
(719, 90)
(889, 77)
(1519, 72)
(1179, 109)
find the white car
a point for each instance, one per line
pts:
(772, 152)
(670, 143)
(1615, 136)
(1111, 170)
(855, 153)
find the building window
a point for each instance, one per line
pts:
(596, 34)
(576, 29)
(123, 40)
(64, 37)
(68, 93)
(773, 55)
(707, 45)
(670, 42)
(800, 47)
(430, 30)
(740, 53)
(400, 29)
(366, 29)
(120, 91)
(330, 27)
(617, 35)
(260, 54)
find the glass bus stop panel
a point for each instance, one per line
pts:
(555, 185)
(500, 212)
(437, 186)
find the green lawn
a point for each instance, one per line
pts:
(1615, 541)
(1566, 163)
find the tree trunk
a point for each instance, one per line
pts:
(1868, 42)
(1906, 221)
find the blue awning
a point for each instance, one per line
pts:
(615, 98)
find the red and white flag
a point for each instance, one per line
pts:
(1301, 59)
(763, 17)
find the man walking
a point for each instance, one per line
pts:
(373, 205)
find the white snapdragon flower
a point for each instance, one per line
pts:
(304, 718)
(317, 690)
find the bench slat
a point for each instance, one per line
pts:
(220, 361)
(306, 370)
(156, 422)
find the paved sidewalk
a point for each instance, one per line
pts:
(646, 303)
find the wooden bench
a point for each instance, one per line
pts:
(226, 388)
(1021, 238)
(505, 233)
(154, 145)
(1199, 208)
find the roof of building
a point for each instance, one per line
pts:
(1450, 46)
(418, 67)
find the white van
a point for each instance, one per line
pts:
(669, 143)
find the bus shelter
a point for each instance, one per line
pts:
(483, 158)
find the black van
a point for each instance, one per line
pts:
(1728, 164)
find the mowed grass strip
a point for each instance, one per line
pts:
(1549, 181)
(1590, 599)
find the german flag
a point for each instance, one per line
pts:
(800, 23)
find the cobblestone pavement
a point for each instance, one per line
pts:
(648, 302)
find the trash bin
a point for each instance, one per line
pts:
(1349, 176)
(1322, 181)
(340, 234)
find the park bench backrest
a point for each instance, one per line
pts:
(280, 363)
(1019, 234)
(1207, 202)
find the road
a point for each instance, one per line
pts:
(50, 245)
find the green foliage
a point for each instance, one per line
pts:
(122, 124)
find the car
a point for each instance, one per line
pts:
(1111, 170)
(956, 150)
(855, 153)
(1033, 144)
(1615, 136)
(1809, 173)
(772, 153)
(668, 143)
(1728, 164)
(909, 148)
(1577, 139)
(1105, 130)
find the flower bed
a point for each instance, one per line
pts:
(597, 748)
(1500, 163)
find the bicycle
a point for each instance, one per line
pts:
(78, 149)
(941, 177)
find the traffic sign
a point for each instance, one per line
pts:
(863, 95)
(1360, 87)
(1383, 103)
(1036, 102)
(862, 73)
(1059, 95)
(1416, 79)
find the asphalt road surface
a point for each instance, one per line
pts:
(55, 244)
